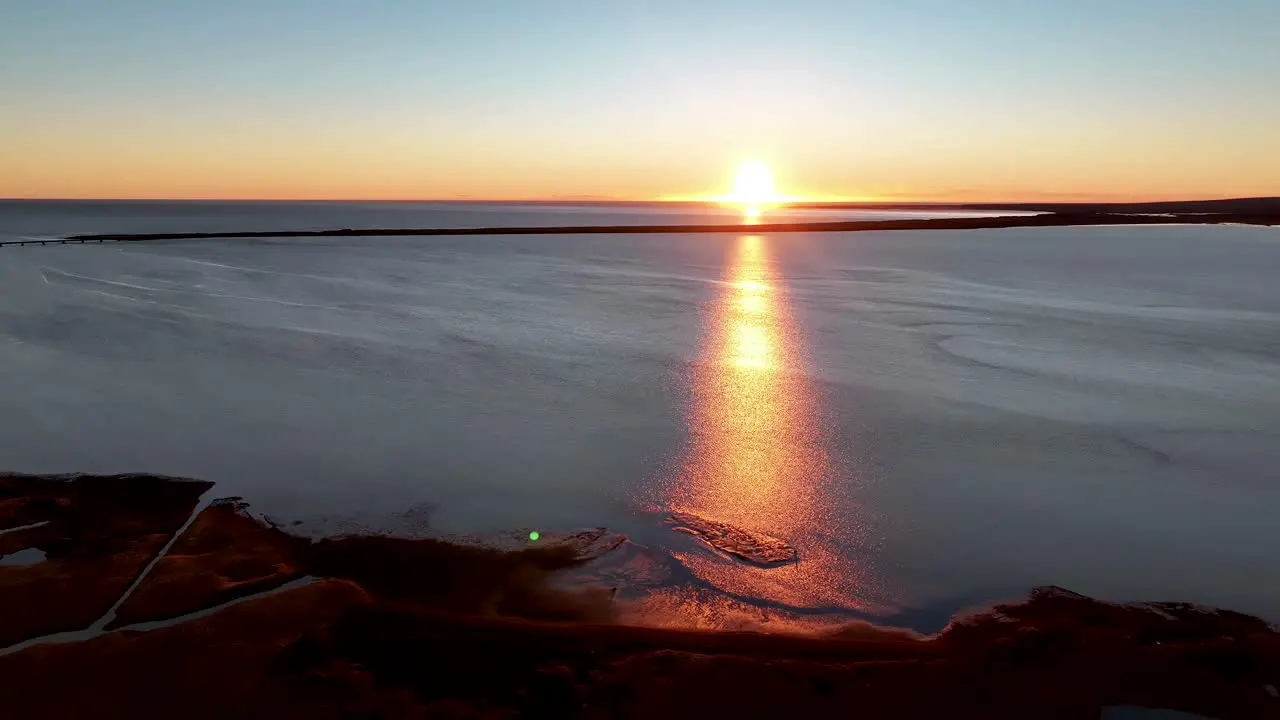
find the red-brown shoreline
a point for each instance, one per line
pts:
(391, 627)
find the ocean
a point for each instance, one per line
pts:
(918, 422)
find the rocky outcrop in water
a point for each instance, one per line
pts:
(751, 546)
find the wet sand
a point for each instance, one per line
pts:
(240, 619)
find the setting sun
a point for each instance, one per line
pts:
(753, 190)
(753, 185)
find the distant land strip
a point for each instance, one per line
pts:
(1243, 206)
(1058, 219)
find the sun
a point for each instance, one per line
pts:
(753, 185)
(754, 191)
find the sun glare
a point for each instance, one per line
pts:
(753, 185)
(753, 190)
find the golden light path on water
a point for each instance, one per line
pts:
(757, 458)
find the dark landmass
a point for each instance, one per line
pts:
(97, 533)
(398, 628)
(1242, 206)
(223, 555)
(1265, 215)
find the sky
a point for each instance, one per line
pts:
(644, 99)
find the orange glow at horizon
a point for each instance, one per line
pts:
(163, 157)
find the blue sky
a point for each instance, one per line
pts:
(547, 97)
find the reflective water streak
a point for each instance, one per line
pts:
(757, 459)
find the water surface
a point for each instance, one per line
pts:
(928, 419)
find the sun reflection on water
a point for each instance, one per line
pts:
(756, 458)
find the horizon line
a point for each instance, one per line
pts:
(793, 201)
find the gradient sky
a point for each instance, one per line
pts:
(920, 99)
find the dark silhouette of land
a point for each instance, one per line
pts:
(974, 223)
(1249, 211)
(1266, 206)
(237, 618)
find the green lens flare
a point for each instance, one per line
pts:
(534, 535)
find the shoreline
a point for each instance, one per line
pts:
(204, 600)
(996, 222)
